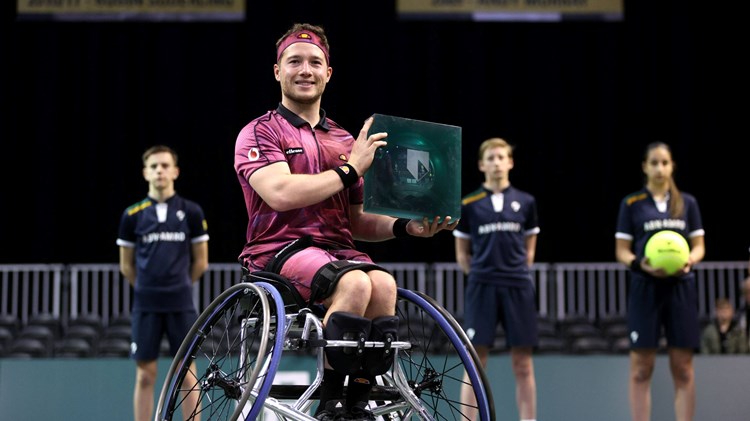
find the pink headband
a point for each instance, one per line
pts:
(301, 36)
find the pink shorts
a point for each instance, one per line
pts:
(302, 266)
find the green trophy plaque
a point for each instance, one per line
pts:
(418, 173)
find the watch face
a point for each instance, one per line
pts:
(418, 173)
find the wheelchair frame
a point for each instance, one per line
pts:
(231, 355)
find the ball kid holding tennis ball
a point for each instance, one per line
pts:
(662, 291)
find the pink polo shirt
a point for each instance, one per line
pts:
(281, 135)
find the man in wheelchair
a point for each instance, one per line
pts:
(300, 174)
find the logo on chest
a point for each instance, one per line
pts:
(293, 151)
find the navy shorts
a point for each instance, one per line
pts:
(514, 307)
(149, 328)
(671, 304)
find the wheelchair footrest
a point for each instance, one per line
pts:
(293, 392)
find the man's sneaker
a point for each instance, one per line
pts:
(333, 411)
(358, 412)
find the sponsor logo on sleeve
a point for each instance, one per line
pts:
(253, 154)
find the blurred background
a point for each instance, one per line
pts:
(579, 98)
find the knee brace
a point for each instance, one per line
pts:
(378, 360)
(342, 326)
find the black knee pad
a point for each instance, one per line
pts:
(379, 360)
(347, 327)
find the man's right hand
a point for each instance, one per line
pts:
(363, 151)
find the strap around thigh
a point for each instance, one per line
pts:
(325, 279)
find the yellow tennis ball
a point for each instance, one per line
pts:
(667, 250)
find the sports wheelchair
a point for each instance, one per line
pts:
(237, 343)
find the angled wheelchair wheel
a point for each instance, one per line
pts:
(226, 364)
(435, 365)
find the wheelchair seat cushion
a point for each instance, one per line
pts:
(288, 292)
